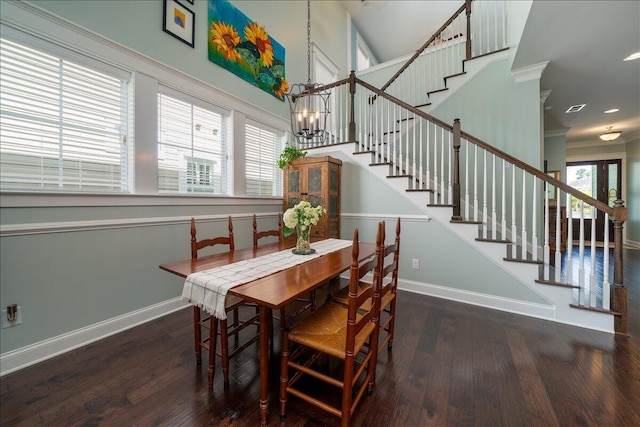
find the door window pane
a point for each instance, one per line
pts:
(583, 178)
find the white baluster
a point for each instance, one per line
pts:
(484, 198)
(450, 175)
(428, 164)
(606, 286)
(494, 219)
(414, 171)
(475, 183)
(503, 222)
(581, 255)
(442, 147)
(569, 264)
(534, 221)
(435, 164)
(514, 227)
(592, 277)
(466, 181)
(420, 162)
(559, 219)
(545, 251)
(524, 215)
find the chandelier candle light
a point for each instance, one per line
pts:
(300, 218)
(308, 102)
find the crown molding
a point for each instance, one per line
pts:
(530, 72)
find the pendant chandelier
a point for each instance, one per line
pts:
(309, 102)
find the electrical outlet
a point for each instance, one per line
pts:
(6, 323)
(415, 264)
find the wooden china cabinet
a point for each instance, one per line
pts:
(316, 180)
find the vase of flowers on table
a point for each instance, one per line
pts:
(300, 218)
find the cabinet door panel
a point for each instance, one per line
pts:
(294, 181)
(314, 183)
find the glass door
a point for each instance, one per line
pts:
(601, 180)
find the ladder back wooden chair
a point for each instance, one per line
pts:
(389, 288)
(333, 332)
(203, 320)
(307, 303)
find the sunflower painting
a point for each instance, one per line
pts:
(245, 48)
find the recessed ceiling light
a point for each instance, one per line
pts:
(632, 56)
(575, 108)
(613, 110)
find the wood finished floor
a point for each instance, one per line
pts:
(452, 364)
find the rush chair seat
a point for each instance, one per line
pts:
(203, 320)
(308, 303)
(336, 332)
(389, 288)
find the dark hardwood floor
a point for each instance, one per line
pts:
(452, 364)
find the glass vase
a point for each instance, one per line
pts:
(303, 245)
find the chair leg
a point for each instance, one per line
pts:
(213, 338)
(347, 391)
(234, 325)
(284, 373)
(196, 333)
(224, 351)
(392, 314)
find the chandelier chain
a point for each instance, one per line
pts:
(309, 41)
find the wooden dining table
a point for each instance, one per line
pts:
(275, 290)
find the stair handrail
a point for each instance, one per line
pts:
(466, 6)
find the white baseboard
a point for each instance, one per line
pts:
(26, 356)
(540, 311)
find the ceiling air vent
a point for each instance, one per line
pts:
(575, 108)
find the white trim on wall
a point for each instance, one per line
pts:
(24, 229)
(12, 361)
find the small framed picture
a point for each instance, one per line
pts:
(179, 21)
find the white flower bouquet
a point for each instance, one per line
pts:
(301, 217)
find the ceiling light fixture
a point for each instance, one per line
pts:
(632, 56)
(309, 102)
(613, 110)
(609, 135)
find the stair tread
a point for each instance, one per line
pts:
(424, 190)
(554, 283)
(599, 310)
(400, 176)
(487, 239)
(526, 261)
(437, 205)
(465, 221)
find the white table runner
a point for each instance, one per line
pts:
(208, 289)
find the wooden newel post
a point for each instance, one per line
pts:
(352, 113)
(456, 171)
(468, 11)
(618, 291)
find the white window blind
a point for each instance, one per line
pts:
(192, 147)
(63, 126)
(263, 148)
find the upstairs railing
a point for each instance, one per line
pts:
(512, 202)
(477, 28)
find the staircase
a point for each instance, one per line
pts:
(496, 203)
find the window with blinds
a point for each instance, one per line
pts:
(192, 147)
(263, 148)
(63, 125)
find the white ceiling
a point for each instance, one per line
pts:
(584, 42)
